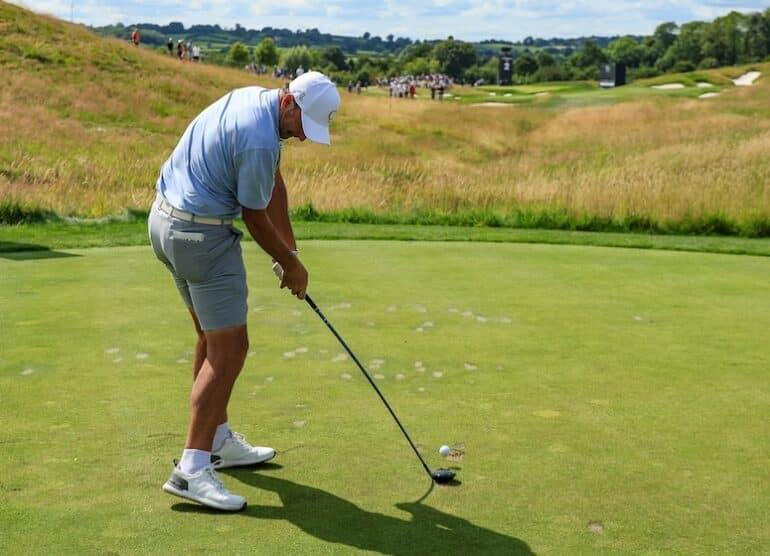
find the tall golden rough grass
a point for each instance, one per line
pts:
(86, 123)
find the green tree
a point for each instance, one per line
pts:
(334, 57)
(454, 57)
(416, 50)
(757, 42)
(525, 65)
(417, 66)
(626, 50)
(664, 36)
(238, 55)
(688, 45)
(544, 59)
(266, 52)
(297, 56)
(723, 39)
(590, 56)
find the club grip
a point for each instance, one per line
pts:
(278, 270)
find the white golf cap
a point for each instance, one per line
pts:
(319, 100)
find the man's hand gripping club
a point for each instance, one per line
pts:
(294, 278)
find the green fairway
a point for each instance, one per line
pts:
(605, 400)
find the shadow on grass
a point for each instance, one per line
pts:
(28, 251)
(332, 519)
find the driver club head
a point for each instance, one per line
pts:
(442, 476)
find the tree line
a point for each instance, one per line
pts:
(735, 38)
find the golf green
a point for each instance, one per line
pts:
(598, 400)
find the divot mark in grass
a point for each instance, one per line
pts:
(438, 374)
(27, 372)
(375, 364)
(505, 320)
(379, 377)
(421, 389)
(117, 360)
(371, 323)
(142, 356)
(299, 424)
(112, 351)
(558, 448)
(300, 406)
(420, 308)
(470, 367)
(418, 365)
(289, 354)
(595, 527)
(182, 361)
(453, 310)
(339, 357)
(481, 319)
(467, 313)
(251, 354)
(400, 377)
(343, 305)
(455, 455)
(603, 403)
(392, 308)
(345, 376)
(269, 379)
(419, 329)
(547, 413)
(301, 349)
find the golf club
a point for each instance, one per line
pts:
(441, 476)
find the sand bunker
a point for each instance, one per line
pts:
(669, 86)
(747, 79)
(492, 104)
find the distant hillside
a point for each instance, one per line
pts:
(214, 37)
(85, 122)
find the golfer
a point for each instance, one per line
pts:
(227, 164)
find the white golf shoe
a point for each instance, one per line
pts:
(205, 488)
(236, 452)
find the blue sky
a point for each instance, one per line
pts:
(469, 20)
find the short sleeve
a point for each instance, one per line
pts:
(255, 171)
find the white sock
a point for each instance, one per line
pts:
(222, 434)
(194, 460)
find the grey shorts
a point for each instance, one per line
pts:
(206, 263)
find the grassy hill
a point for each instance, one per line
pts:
(86, 122)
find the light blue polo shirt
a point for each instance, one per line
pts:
(227, 157)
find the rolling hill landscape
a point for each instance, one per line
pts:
(88, 121)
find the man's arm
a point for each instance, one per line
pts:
(278, 211)
(270, 239)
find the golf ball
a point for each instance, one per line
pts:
(444, 450)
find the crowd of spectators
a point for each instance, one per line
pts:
(405, 86)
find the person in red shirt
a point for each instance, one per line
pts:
(135, 36)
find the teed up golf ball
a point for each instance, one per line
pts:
(444, 450)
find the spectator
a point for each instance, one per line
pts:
(135, 36)
(300, 71)
(170, 46)
(180, 49)
(196, 53)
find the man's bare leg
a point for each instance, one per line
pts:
(200, 354)
(225, 351)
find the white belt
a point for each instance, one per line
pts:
(174, 212)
